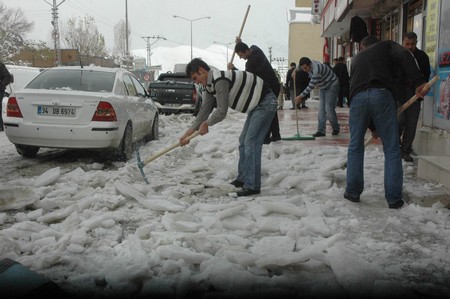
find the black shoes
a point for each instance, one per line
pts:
(304, 107)
(319, 134)
(350, 197)
(237, 184)
(335, 132)
(248, 192)
(407, 157)
(397, 205)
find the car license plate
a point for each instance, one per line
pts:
(56, 111)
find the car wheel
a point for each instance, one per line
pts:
(155, 129)
(126, 146)
(28, 151)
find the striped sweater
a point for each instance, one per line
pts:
(245, 89)
(321, 76)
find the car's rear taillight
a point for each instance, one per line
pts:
(12, 108)
(104, 112)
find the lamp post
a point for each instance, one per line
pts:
(225, 44)
(191, 20)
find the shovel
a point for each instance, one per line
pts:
(141, 164)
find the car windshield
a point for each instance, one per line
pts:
(82, 80)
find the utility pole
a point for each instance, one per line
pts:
(126, 36)
(149, 46)
(55, 33)
(270, 55)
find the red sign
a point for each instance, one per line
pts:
(444, 59)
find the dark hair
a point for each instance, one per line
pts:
(293, 64)
(194, 65)
(241, 47)
(410, 35)
(369, 40)
(341, 58)
(304, 60)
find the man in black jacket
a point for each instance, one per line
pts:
(340, 69)
(290, 84)
(5, 79)
(407, 121)
(258, 64)
(371, 85)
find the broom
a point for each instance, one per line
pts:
(297, 136)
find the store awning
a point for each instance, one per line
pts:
(336, 15)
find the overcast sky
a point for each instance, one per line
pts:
(266, 26)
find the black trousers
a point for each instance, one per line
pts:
(407, 126)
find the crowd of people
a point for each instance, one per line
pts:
(382, 76)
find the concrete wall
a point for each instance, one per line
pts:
(305, 40)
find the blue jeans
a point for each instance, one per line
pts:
(378, 105)
(251, 141)
(328, 98)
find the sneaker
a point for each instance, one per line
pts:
(237, 183)
(396, 205)
(351, 197)
(319, 134)
(247, 192)
(407, 157)
(335, 132)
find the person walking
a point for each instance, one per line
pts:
(371, 85)
(290, 84)
(258, 64)
(244, 92)
(5, 79)
(408, 119)
(322, 76)
(301, 83)
(341, 71)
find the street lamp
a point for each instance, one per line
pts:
(225, 44)
(191, 20)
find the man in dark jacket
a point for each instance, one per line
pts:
(258, 64)
(340, 69)
(290, 84)
(301, 83)
(371, 85)
(407, 120)
(5, 79)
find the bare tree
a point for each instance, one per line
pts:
(13, 27)
(84, 36)
(120, 39)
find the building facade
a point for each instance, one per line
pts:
(341, 20)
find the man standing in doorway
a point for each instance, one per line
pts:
(407, 120)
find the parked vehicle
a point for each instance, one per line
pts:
(85, 108)
(175, 93)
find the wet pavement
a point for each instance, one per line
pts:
(307, 124)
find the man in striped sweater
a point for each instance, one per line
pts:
(244, 92)
(322, 76)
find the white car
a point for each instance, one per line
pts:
(81, 107)
(22, 76)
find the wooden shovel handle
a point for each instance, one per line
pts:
(240, 32)
(165, 151)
